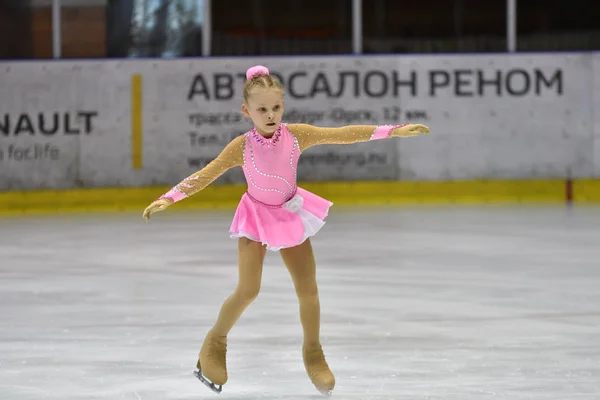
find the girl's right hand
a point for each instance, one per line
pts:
(156, 206)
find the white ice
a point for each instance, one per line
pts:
(452, 303)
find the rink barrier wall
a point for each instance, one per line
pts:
(86, 135)
(367, 193)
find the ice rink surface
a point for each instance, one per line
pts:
(452, 303)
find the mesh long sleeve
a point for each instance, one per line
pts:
(231, 156)
(309, 135)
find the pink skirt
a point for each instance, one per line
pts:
(279, 227)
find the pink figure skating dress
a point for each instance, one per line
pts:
(274, 210)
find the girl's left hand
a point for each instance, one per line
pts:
(411, 130)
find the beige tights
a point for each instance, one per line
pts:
(250, 264)
(300, 263)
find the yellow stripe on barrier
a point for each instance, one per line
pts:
(136, 121)
(340, 193)
(586, 191)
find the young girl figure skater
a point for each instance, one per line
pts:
(273, 214)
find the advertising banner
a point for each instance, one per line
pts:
(141, 122)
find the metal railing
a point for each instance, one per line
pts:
(230, 45)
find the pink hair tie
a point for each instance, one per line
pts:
(256, 71)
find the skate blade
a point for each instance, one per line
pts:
(326, 393)
(215, 388)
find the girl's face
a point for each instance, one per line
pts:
(265, 109)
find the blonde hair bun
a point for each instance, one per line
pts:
(259, 77)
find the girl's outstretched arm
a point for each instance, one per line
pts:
(309, 135)
(231, 156)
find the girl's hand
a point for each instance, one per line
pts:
(156, 206)
(410, 130)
